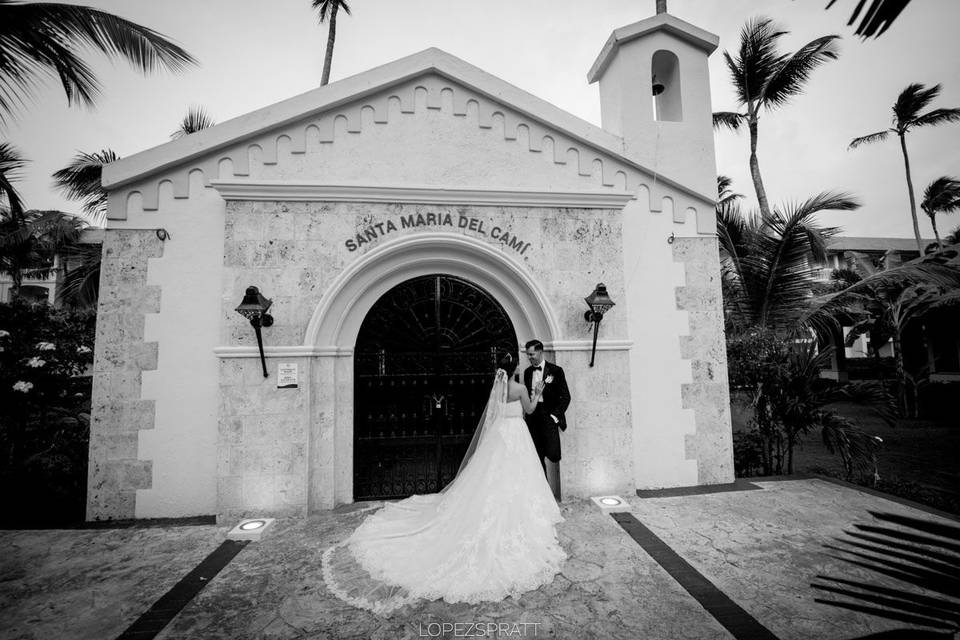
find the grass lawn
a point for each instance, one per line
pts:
(919, 459)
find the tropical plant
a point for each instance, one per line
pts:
(44, 411)
(725, 193)
(11, 164)
(29, 247)
(941, 196)
(195, 120)
(878, 17)
(765, 79)
(906, 116)
(766, 270)
(329, 9)
(43, 39)
(781, 378)
(923, 559)
(886, 301)
(953, 237)
(80, 180)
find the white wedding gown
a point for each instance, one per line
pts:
(490, 534)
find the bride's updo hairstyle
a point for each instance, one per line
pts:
(509, 364)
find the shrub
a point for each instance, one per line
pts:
(44, 410)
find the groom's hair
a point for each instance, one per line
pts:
(508, 363)
(536, 344)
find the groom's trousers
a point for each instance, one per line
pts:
(545, 435)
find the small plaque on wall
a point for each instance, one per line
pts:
(287, 375)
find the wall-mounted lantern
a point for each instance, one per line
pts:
(254, 308)
(599, 303)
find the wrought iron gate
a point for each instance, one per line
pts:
(423, 366)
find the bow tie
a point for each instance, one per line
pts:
(539, 367)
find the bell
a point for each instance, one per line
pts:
(657, 86)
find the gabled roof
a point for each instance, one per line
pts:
(660, 22)
(177, 152)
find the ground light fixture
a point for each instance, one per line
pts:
(610, 504)
(254, 308)
(599, 303)
(251, 529)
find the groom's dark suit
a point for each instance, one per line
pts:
(556, 399)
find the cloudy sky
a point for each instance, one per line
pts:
(253, 53)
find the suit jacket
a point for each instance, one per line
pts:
(556, 395)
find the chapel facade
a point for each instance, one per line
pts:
(408, 225)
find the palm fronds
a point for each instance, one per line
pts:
(196, 119)
(878, 17)
(80, 180)
(920, 556)
(46, 39)
(879, 136)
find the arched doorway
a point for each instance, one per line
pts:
(423, 364)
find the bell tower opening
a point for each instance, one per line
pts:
(667, 103)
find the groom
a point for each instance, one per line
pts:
(548, 419)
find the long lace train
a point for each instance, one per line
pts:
(492, 534)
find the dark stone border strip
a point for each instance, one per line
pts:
(152, 622)
(728, 613)
(739, 484)
(142, 523)
(892, 498)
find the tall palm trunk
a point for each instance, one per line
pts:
(936, 233)
(755, 170)
(913, 200)
(331, 37)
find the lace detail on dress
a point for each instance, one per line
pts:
(492, 534)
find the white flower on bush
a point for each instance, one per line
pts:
(4, 334)
(83, 349)
(35, 362)
(22, 386)
(46, 346)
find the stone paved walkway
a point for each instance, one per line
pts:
(761, 548)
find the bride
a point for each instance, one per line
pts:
(489, 534)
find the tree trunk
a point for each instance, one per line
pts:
(936, 234)
(901, 376)
(791, 442)
(331, 37)
(755, 170)
(913, 200)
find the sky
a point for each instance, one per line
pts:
(253, 53)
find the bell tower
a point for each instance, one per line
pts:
(655, 94)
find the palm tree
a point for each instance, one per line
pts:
(766, 269)
(953, 237)
(28, 246)
(906, 116)
(885, 301)
(766, 79)
(941, 196)
(196, 119)
(329, 8)
(46, 39)
(725, 193)
(11, 163)
(80, 180)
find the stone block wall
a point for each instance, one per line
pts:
(120, 356)
(262, 440)
(711, 445)
(597, 446)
